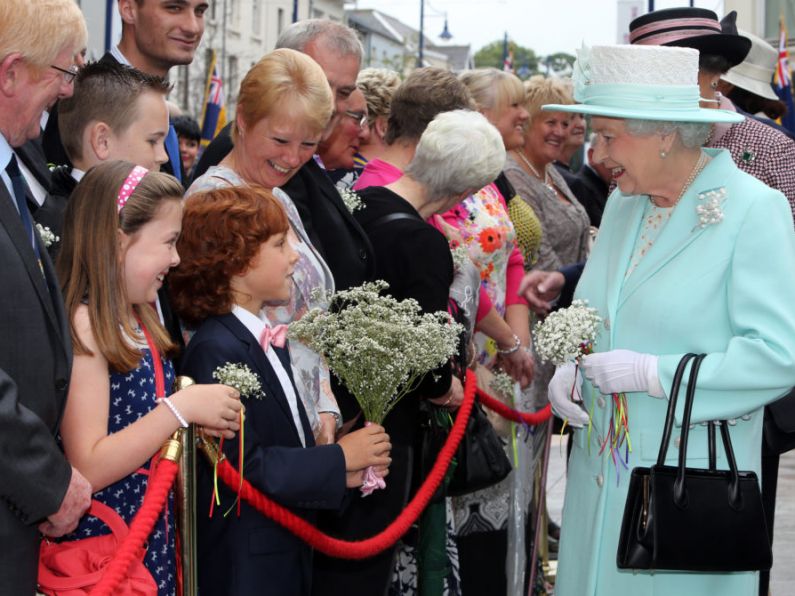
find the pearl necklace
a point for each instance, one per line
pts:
(703, 159)
(545, 180)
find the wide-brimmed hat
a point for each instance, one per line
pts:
(696, 28)
(641, 83)
(755, 73)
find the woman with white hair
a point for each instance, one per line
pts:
(459, 153)
(693, 256)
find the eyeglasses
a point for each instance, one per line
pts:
(68, 75)
(359, 117)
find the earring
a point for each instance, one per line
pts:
(663, 154)
(714, 84)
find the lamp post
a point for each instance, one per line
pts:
(421, 44)
(445, 34)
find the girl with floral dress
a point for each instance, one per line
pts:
(119, 242)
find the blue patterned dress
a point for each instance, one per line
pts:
(132, 395)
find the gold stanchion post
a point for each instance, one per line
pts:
(186, 501)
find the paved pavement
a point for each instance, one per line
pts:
(783, 576)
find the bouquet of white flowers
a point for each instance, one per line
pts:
(567, 334)
(378, 346)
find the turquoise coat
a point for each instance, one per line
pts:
(728, 290)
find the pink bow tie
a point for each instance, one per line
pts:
(276, 336)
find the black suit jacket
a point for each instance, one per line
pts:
(35, 364)
(50, 213)
(591, 191)
(332, 229)
(251, 554)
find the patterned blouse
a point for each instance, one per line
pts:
(311, 273)
(489, 236)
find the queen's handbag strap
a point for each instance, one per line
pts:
(680, 492)
(671, 414)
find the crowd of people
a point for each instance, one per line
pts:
(134, 259)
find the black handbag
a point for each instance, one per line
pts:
(480, 459)
(688, 519)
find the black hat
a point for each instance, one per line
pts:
(696, 28)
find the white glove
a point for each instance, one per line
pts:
(623, 371)
(567, 404)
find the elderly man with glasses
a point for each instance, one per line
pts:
(40, 492)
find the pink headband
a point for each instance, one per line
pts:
(133, 178)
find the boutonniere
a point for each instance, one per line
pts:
(47, 235)
(351, 199)
(241, 378)
(709, 209)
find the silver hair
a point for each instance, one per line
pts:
(692, 134)
(338, 37)
(460, 151)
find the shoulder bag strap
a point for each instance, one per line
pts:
(393, 217)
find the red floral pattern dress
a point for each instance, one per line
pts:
(489, 236)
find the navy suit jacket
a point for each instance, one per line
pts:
(251, 554)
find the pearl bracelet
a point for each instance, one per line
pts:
(165, 400)
(517, 343)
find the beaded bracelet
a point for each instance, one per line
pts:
(517, 343)
(183, 423)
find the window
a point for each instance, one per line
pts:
(232, 74)
(234, 13)
(256, 18)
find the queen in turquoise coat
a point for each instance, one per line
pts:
(693, 256)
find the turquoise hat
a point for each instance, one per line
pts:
(640, 83)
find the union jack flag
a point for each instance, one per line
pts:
(783, 80)
(214, 111)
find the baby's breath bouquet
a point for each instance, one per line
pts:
(567, 334)
(378, 346)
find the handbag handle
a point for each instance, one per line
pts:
(670, 415)
(680, 492)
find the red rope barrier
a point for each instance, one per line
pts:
(140, 527)
(361, 549)
(530, 418)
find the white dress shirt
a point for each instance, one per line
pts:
(256, 325)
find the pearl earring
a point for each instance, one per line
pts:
(663, 154)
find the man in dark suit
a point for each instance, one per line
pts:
(40, 491)
(591, 185)
(155, 36)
